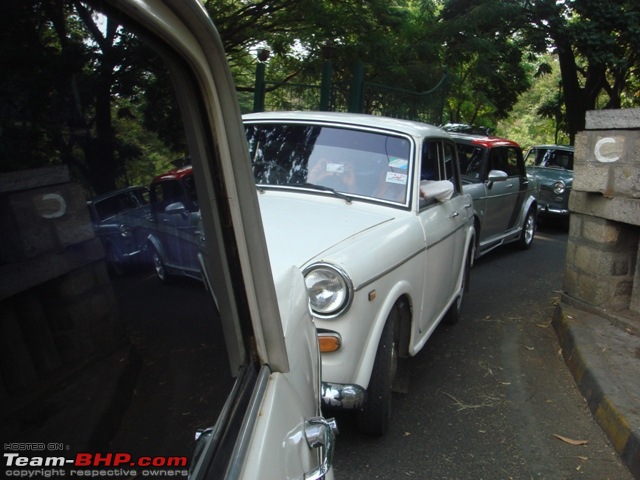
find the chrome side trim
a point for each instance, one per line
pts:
(407, 259)
(390, 269)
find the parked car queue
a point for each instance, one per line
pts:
(383, 217)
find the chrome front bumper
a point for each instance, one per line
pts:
(342, 396)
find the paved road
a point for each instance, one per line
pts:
(491, 398)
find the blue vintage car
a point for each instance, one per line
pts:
(552, 167)
(115, 217)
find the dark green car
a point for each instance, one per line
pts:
(552, 167)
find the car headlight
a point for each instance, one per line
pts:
(559, 188)
(330, 289)
(125, 231)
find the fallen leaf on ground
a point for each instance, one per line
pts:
(570, 441)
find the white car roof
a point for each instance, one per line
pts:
(416, 129)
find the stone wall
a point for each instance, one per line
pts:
(57, 306)
(601, 268)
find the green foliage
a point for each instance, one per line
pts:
(597, 44)
(529, 69)
(535, 116)
(483, 55)
(393, 41)
(142, 153)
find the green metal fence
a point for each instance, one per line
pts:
(359, 97)
(395, 102)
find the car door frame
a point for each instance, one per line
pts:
(236, 261)
(449, 218)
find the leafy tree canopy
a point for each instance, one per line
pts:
(492, 51)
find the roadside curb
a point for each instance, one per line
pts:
(603, 359)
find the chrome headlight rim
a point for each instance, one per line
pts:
(559, 187)
(345, 304)
(125, 231)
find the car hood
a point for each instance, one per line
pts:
(549, 175)
(301, 228)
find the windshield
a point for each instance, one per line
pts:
(551, 158)
(120, 202)
(358, 163)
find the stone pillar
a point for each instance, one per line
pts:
(601, 267)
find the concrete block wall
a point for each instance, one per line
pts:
(600, 263)
(57, 306)
(601, 268)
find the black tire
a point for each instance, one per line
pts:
(528, 231)
(160, 267)
(115, 261)
(375, 415)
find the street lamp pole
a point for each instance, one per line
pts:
(328, 51)
(259, 89)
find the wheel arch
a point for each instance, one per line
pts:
(154, 242)
(530, 206)
(398, 297)
(476, 231)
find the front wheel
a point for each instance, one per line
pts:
(528, 231)
(159, 267)
(115, 260)
(375, 415)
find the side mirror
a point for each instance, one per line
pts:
(496, 176)
(175, 208)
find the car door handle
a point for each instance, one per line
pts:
(468, 205)
(320, 432)
(454, 214)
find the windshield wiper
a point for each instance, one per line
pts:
(323, 188)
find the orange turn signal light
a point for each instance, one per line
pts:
(329, 342)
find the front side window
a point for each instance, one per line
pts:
(471, 161)
(360, 163)
(95, 364)
(506, 159)
(514, 162)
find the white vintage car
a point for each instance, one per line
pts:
(371, 210)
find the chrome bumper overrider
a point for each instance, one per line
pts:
(550, 210)
(343, 396)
